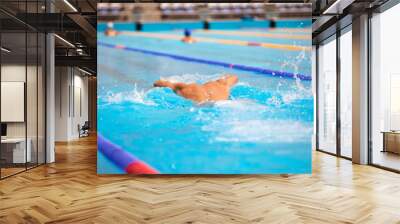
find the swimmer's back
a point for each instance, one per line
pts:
(217, 91)
(210, 91)
(193, 91)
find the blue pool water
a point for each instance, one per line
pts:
(265, 127)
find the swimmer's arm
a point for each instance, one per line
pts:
(174, 86)
(228, 80)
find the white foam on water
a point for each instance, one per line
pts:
(191, 78)
(260, 131)
(134, 96)
(240, 83)
(240, 105)
(245, 121)
(214, 112)
(275, 101)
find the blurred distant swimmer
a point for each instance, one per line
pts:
(110, 31)
(209, 91)
(188, 37)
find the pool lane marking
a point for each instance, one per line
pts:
(290, 30)
(120, 46)
(258, 34)
(220, 41)
(240, 67)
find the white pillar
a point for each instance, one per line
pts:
(360, 90)
(50, 99)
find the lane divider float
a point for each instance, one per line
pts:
(220, 41)
(123, 159)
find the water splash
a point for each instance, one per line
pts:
(298, 90)
(259, 131)
(134, 96)
(249, 121)
(274, 100)
(192, 78)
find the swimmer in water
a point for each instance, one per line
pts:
(110, 30)
(188, 37)
(201, 93)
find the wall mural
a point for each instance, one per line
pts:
(176, 98)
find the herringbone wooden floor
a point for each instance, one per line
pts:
(69, 191)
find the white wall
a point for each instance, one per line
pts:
(14, 73)
(80, 110)
(71, 87)
(62, 82)
(13, 100)
(33, 127)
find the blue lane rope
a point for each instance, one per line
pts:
(210, 62)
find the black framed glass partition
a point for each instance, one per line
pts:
(385, 89)
(382, 69)
(22, 77)
(326, 99)
(13, 108)
(334, 94)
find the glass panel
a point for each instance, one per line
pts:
(16, 6)
(22, 88)
(31, 98)
(314, 82)
(13, 89)
(32, 87)
(2, 161)
(386, 89)
(41, 98)
(346, 94)
(327, 97)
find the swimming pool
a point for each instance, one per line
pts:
(265, 127)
